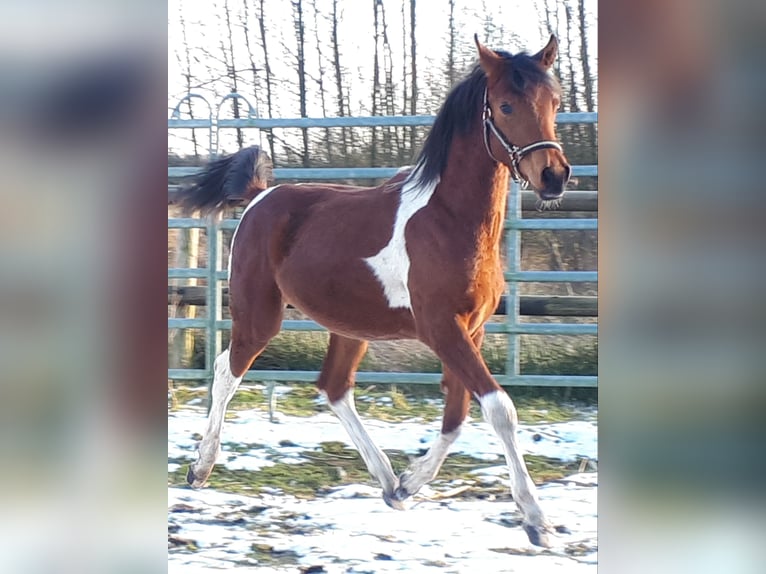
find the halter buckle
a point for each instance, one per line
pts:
(486, 114)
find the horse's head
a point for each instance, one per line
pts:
(520, 104)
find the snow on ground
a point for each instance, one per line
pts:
(351, 530)
(566, 441)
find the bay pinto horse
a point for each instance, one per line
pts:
(415, 258)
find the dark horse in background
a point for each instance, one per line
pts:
(415, 258)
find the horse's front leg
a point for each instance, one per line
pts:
(451, 343)
(456, 405)
(336, 381)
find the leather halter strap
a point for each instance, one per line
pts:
(515, 152)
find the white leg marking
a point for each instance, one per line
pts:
(250, 205)
(224, 386)
(498, 410)
(375, 459)
(391, 265)
(425, 468)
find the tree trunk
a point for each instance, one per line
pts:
(549, 14)
(320, 82)
(587, 78)
(250, 55)
(338, 76)
(451, 47)
(573, 107)
(388, 90)
(267, 67)
(232, 71)
(188, 78)
(405, 87)
(375, 85)
(414, 74)
(300, 35)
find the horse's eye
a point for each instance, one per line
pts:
(506, 108)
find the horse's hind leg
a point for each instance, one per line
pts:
(425, 468)
(224, 386)
(336, 381)
(250, 333)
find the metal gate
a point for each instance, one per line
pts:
(213, 324)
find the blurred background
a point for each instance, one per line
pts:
(81, 188)
(681, 277)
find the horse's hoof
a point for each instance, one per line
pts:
(195, 481)
(402, 493)
(407, 486)
(392, 501)
(537, 536)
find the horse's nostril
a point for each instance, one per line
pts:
(547, 176)
(555, 177)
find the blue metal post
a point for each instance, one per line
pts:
(513, 254)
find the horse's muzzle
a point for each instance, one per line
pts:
(554, 180)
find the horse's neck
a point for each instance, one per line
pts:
(475, 188)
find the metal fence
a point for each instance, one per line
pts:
(213, 324)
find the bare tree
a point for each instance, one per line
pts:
(414, 73)
(267, 67)
(570, 60)
(320, 79)
(300, 35)
(375, 82)
(451, 45)
(250, 54)
(405, 92)
(188, 77)
(388, 88)
(585, 57)
(231, 70)
(338, 76)
(587, 77)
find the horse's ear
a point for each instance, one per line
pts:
(547, 55)
(489, 60)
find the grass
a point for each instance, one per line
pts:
(266, 554)
(384, 402)
(335, 464)
(305, 351)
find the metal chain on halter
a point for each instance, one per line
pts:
(515, 153)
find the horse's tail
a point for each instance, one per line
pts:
(231, 179)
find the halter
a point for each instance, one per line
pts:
(515, 152)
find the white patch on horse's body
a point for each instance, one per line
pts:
(250, 205)
(391, 265)
(425, 468)
(375, 459)
(224, 386)
(499, 411)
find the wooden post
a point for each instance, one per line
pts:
(187, 255)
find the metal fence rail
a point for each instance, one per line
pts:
(213, 324)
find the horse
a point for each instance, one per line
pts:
(417, 257)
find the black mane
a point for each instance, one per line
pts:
(463, 106)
